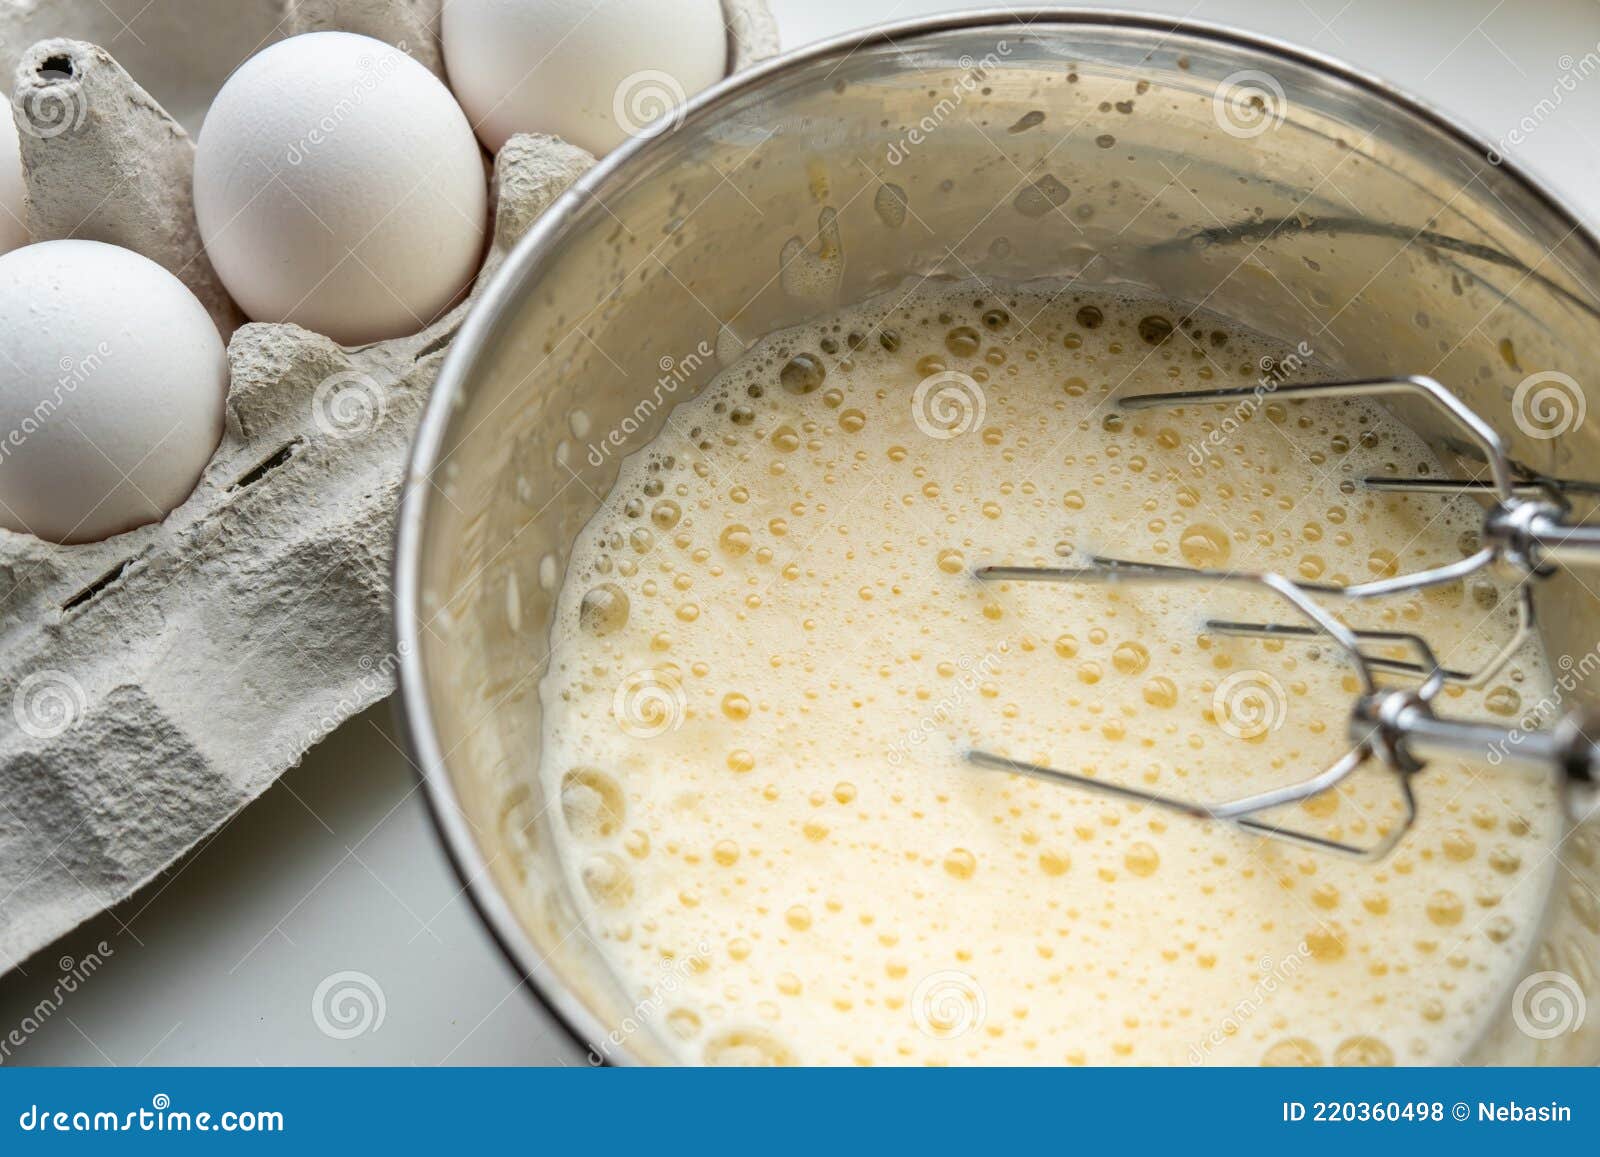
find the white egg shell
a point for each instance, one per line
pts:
(13, 219)
(338, 186)
(593, 74)
(112, 388)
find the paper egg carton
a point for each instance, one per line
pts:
(154, 683)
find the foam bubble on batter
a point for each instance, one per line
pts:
(770, 654)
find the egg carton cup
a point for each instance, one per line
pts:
(154, 683)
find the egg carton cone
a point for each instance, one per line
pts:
(154, 683)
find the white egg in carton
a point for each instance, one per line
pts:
(153, 683)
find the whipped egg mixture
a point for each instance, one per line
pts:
(771, 654)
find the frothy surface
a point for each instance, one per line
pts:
(770, 653)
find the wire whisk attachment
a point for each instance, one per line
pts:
(1394, 726)
(1527, 529)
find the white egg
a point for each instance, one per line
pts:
(594, 74)
(112, 387)
(338, 186)
(13, 190)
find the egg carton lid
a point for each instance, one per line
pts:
(154, 683)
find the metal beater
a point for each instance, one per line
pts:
(1528, 528)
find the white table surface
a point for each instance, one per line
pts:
(336, 868)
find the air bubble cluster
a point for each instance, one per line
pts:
(770, 653)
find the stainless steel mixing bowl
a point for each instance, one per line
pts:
(1275, 186)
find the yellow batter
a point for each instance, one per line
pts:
(770, 654)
